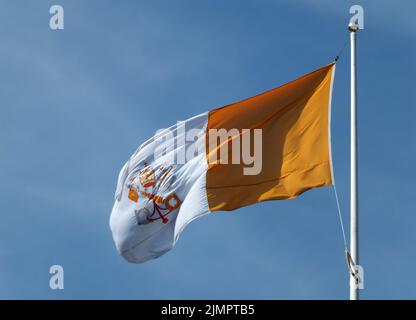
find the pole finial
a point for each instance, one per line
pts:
(353, 27)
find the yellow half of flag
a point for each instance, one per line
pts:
(294, 119)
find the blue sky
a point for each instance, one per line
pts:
(76, 103)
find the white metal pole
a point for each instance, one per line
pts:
(353, 28)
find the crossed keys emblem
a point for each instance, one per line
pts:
(148, 189)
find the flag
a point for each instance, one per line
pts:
(275, 145)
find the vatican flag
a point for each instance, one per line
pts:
(273, 146)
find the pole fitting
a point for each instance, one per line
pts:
(353, 27)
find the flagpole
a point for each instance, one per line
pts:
(353, 28)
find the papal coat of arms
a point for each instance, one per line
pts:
(150, 190)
